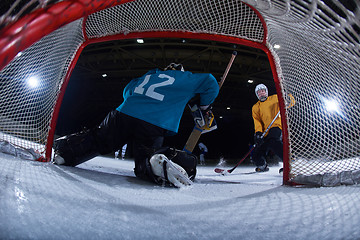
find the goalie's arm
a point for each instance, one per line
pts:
(208, 90)
(196, 133)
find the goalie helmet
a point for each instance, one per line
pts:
(175, 66)
(261, 87)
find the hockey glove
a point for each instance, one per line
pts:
(289, 100)
(197, 115)
(207, 114)
(210, 123)
(258, 139)
(203, 117)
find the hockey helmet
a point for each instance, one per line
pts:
(175, 66)
(260, 87)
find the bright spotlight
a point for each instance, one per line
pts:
(33, 82)
(139, 40)
(331, 105)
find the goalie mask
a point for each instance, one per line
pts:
(175, 66)
(261, 92)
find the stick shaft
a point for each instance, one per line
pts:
(227, 69)
(267, 129)
(196, 132)
(192, 140)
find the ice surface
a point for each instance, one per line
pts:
(102, 199)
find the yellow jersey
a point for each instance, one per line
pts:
(264, 112)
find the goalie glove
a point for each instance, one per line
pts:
(203, 117)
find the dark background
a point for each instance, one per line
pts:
(90, 96)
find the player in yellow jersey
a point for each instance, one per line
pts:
(263, 112)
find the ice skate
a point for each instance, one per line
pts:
(59, 144)
(263, 168)
(58, 160)
(172, 172)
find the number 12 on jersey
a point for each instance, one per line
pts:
(150, 90)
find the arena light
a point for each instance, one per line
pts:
(33, 81)
(250, 81)
(276, 46)
(332, 106)
(139, 40)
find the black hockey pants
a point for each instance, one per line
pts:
(273, 141)
(116, 130)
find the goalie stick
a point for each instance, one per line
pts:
(197, 131)
(223, 171)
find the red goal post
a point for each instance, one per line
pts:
(317, 49)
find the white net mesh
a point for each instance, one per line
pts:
(319, 58)
(30, 85)
(232, 18)
(317, 62)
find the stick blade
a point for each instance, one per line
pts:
(219, 170)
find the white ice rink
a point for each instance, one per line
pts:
(102, 199)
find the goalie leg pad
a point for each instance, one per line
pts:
(75, 149)
(187, 161)
(168, 170)
(158, 172)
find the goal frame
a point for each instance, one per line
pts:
(23, 33)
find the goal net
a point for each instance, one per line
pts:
(313, 48)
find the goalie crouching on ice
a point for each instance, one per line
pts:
(153, 106)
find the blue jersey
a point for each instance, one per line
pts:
(159, 97)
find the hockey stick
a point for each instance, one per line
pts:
(197, 131)
(220, 170)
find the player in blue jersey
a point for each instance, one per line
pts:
(152, 108)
